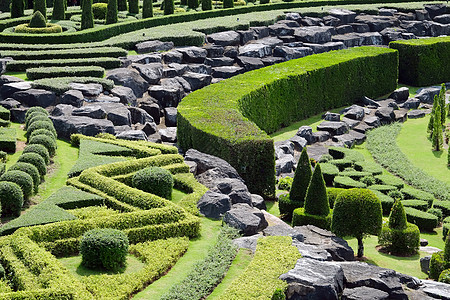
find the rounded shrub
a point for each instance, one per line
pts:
(111, 12)
(396, 195)
(35, 109)
(34, 118)
(36, 160)
(39, 149)
(33, 114)
(22, 179)
(3, 156)
(44, 132)
(154, 180)
(40, 125)
(285, 183)
(445, 276)
(104, 248)
(99, 10)
(147, 9)
(368, 180)
(45, 140)
(437, 265)
(11, 198)
(286, 206)
(300, 218)
(302, 177)
(30, 170)
(332, 194)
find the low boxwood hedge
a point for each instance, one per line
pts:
(65, 53)
(417, 204)
(8, 139)
(23, 65)
(412, 193)
(386, 201)
(218, 118)
(300, 218)
(25, 28)
(60, 85)
(425, 221)
(444, 206)
(46, 124)
(4, 113)
(46, 141)
(36, 160)
(385, 189)
(347, 183)
(52, 72)
(388, 179)
(39, 149)
(366, 166)
(30, 170)
(22, 179)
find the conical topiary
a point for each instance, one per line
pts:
(87, 17)
(397, 218)
(17, 8)
(147, 9)
(447, 249)
(111, 12)
(316, 200)
(41, 5)
(442, 104)
(432, 115)
(59, 11)
(122, 5)
(436, 136)
(133, 6)
(37, 20)
(302, 177)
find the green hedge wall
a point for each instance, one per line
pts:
(22, 65)
(52, 72)
(65, 53)
(218, 118)
(422, 61)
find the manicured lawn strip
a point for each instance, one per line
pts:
(239, 265)
(197, 251)
(406, 265)
(383, 147)
(206, 274)
(274, 256)
(39, 73)
(413, 142)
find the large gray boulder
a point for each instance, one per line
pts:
(35, 97)
(65, 126)
(225, 38)
(385, 114)
(346, 16)
(168, 135)
(62, 110)
(138, 115)
(255, 50)
(248, 242)
(7, 89)
(426, 95)
(354, 112)
(364, 293)
(235, 189)
(151, 72)
(133, 135)
(400, 95)
(197, 80)
(214, 205)
(88, 89)
(247, 220)
(153, 46)
(334, 128)
(170, 116)
(116, 113)
(193, 54)
(125, 94)
(167, 95)
(129, 78)
(91, 111)
(72, 97)
(314, 34)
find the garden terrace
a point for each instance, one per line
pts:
(233, 123)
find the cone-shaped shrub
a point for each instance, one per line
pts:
(111, 12)
(447, 249)
(17, 8)
(169, 7)
(40, 5)
(228, 4)
(122, 5)
(133, 6)
(316, 200)
(37, 20)
(193, 4)
(87, 17)
(432, 115)
(302, 177)
(206, 5)
(147, 9)
(436, 136)
(59, 11)
(442, 104)
(357, 213)
(397, 218)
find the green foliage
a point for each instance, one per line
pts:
(154, 180)
(30, 170)
(192, 4)
(316, 200)
(432, 115)
(104, 248)
(347, 182)
(66, 53)
(206, 5)
(47, 29)
(400, 241)
(388, 179)
(44, 132)
(302, 178)
(122, 5)
(417, 204)
(436, 136)
(133, 6)
(39, 149)
(437, 265)
(425, 221)
(61, 84)
(48, 125)
(329, 171)
(228, 3)
(4, 114)
(287, 206)
(22, 179)
(437, 212)
(206, 274)
(111, 13)
(11, 198)
(285, 183)
(300, 218)
(99, 10)
(35, 109)
(39, 6)
(87, 17)
(397, 195)
(36, 117)
(59, 10)
(45, 140)
(7, 140)
(147, 9)
(445, 276)
(332, 194)
(17, 8)
(345, 153)
(3, 156)
(420, 62)
(443, 104)
(169, 7)
(447, 250)
(397, 218)
(231, 143)
(412, 193)
(274, 256)
(36, 160)
(385, 189)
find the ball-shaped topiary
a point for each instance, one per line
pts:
(99, 10)
(36, 160)
(302, 178)
(34, 114)
(44, 132)
(45, 140)
(11, 198)
(104, 248)
(34, 118)
(40, 125)
(437, 265)
(35, 109)
(39, 149)
(111, 12)
(147, 9)
(30, 170)
(154, 180)
(37, 20)
(22, 179)
(357, 212)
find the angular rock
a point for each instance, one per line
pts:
(196, 80)
(226, 72)
(35, 97)
(289, 53)
(334, 128)
(144, 59)
(286, 147)
(231, 52)
(173, 56)
(425, 264)
(416, 114)
(7, 89)
(372, 121)
(66, 126)
(91, 111)
(369, 102)
(314, 34)
(258, 202)
(174, 69)
(87, 89)
(364, 293)
(346, 139)
(298, 142)
(355, 112)
(219, 61)
(72, 97)
(214, 51)
(400, 95)
(255, 50)
(250, 63)
(133, 135)
(4, 79)
(260, 32)
(107, 99)
(328, 116)
(284, 164)
(166, 95)
(283, 230)
(153, 46)
(62, 110)
(426, 95)
(377, 23)
(280, 30)
(129, 78)
(18, 114)
(247, 242)
(246, 36)
(435, 9)
(385, 114)
(235, 189)
(138, 115)
(306, 133)
(225, 38)
(214, 205)
(152, 73)
(193, 54)
(168, 134)
(311, 251)
(199, 68)
(9, 103)
(321, 136)
(178, 83)
(311, 21)
(360, 27)
(248, 221)
(346, 16)
(153, 110)
(331, 21)
(170, 116)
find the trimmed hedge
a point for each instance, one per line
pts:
(444, 206)
(61, 84)
(45, 140)
(417, 204)
(347, 183)
(36, 160)
(329, 172)
(400, 241)
(385, 189)
(332, 194)
(388, 179)
(30, 170)
(42, 131)
(437, 265)
(4, 113)
(287, 206)
(412, 193)
(300, 218)
(386, 201)
(8, 139)
(11, 198)
(155, 180)
(51, 28)
(22, 179)
(421, 60)
(225, 129)
(366, 166)
(65, 53)
(425, 221)
(39, 73)
(22, 65)
(40, 125)
(39, 149)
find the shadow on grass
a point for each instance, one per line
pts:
(437, 154)
(84, 271)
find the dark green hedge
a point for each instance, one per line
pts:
(65, 53)
(4, 114)
(8, 139)
(300, 218)
(425, 221)
(61, 84)
(22, 65)
(218, 118)
(421, 61)
(52, 72)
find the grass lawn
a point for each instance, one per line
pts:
(73, 264)
(240, 263)
(198, 250)
(414, 143)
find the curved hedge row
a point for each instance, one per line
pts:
(230, 119)
(421, 60)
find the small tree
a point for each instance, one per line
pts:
(228, 4)
(442, 104)
(169, 7)
(133, 6)
(192, 4)
(41, 5)
(122, 5)
(302, 177)
(357, 213)
(397, 218)
(17, 8)
(111, 12)
(87, 17)
(59, 11)
(432, 115)
(436, 136)
(206, 5)
(147, 9)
